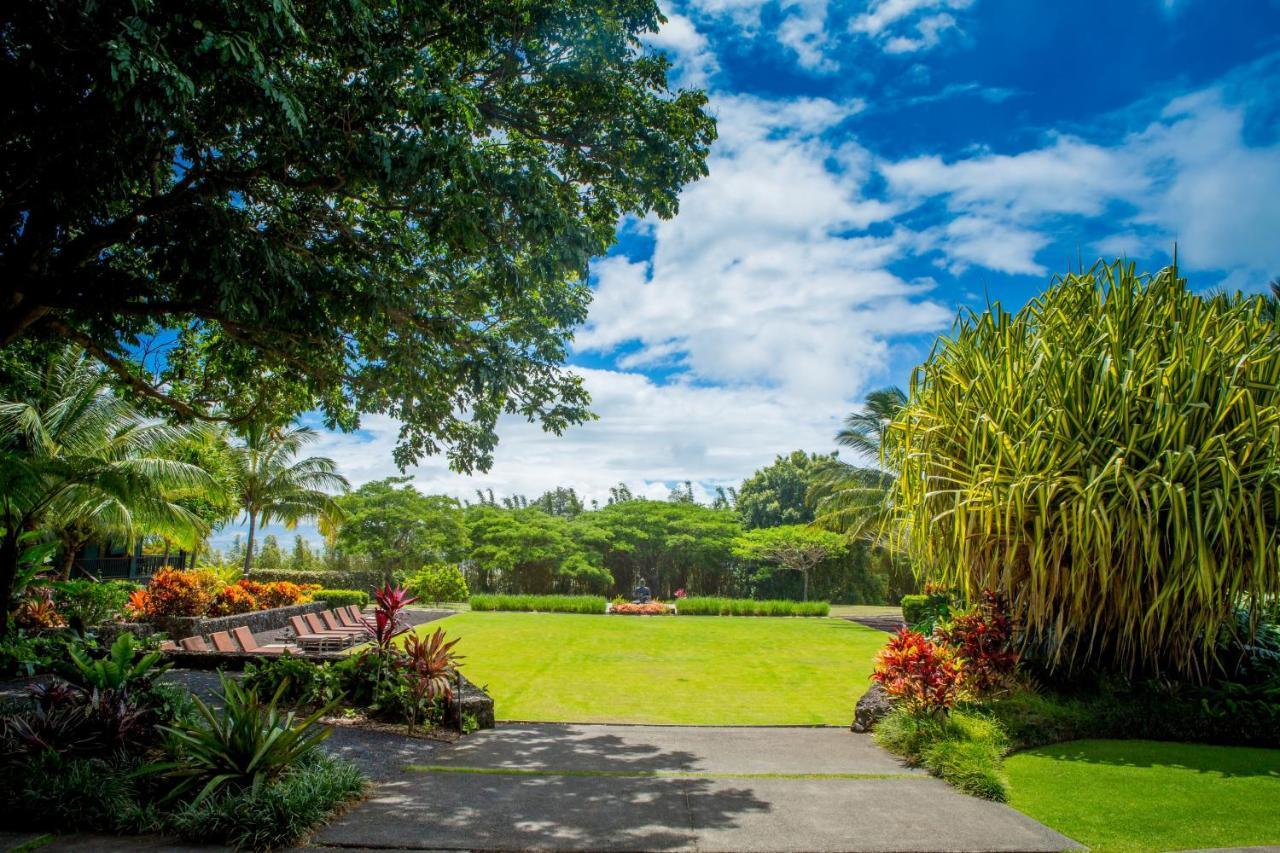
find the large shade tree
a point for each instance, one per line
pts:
(399, 528)
(76, 460)
(1108, 457)
(359, 205)
(273, 485)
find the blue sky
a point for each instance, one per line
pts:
(883, 164)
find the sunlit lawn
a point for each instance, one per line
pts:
(1126, 796)
(693, 669)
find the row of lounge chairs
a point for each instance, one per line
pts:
(331, 630)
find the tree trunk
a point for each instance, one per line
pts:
(248, 550)
(8, 572)
(805, 575)
(68, 560)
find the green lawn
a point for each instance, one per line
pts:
(711, 670)
(1125, 796)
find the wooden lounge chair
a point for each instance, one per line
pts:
(350, 621)
(194, 644)
(245, 638)
(222, 642)
(303, 632)
(318, 627)
(332, 623)
(168, 646)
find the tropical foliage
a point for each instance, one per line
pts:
(77, 459)
(1106, 457)
(273, 486)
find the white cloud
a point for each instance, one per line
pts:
(803, 30)
(694, 63)
(908, 26)
(766, 276)
(1188, 176)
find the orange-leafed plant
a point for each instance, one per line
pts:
(926, 677)
(983, 638)
(37, 612)
(139, 604)
(231, 600)
(178, 593)
(281, 594)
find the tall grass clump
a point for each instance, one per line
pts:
(712, 606)
(541, 603)
(963, 748)
(1107, 456)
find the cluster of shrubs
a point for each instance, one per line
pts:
(110, 749)
(963, 698)
(541, 603)
(711, 606)
(201, 592)
(648, 608)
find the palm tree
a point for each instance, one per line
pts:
(864, 430)
(274, 487)
(77, 460)
(851, 498)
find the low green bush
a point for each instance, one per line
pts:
(437, 582)
(541, 603)
(341, 597)
(48, 790)
(86, 603)
(913, 608)
(711, 606)
(304, 682)
(276, 814)
(369, 580)
(963, 748)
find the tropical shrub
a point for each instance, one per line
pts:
(297, 680)
(962, 748)
(241, 745)
(541, 603)
(120, 669)
(23, 653)
(913, 608)
(430, 665)
(711, 606)
(437, 582)
(1100, 456)
(282, 594)
(275, 814)
(341, 597)
(925, 677)
(172, 592)
(86, 603)
(37, 611)
(982, 637)
(231, 600)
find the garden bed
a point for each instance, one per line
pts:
(177, 627)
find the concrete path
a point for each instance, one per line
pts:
(624, 788)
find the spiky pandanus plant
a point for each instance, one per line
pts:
(1110, 457)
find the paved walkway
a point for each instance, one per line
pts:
(581, 787)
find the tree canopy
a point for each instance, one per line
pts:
(358, 206)
(399, 528)
(778, 493)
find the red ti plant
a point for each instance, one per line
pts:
(430, 662)
(983, 638)
(925, 676)
(386, 625)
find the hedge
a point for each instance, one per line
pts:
(541, 603)
(369, 580)
(710, 606)
(913, 608)
(342, 597)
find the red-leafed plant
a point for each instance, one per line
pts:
(232, 600)
(926, 677)
(982, 638)
(37, 612)
(178, 593)
(430, 665)
(139, 604)
(386, 623)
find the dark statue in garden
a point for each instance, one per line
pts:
(641, 594)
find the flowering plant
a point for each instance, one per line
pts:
(926, 676)
(680, 593)
(139, 604)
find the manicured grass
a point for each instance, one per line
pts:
(713, 670)
(1125, 796)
